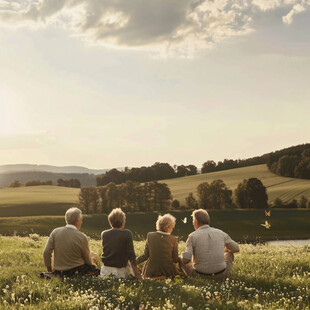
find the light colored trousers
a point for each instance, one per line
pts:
(229, 258)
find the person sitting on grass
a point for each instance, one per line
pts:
(70, 246)
(118, 254)
(209, 251)
(161, 250)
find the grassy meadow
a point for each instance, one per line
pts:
(54, 200)
(277, 186)
(36, 200)
(242, 225)
(263, 277)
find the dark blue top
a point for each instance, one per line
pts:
(117, 247)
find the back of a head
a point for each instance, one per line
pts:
(202, 216)
(117, 218)
(72, 215)
(165, 222)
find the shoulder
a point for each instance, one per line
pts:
(192, 234)
(57, 230)
(174, 238)
(106, 233)
(81, 235)
(127, 231)
(217, 231)
(151, 236)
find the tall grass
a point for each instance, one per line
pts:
(264, 277)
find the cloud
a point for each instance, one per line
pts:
(181, 26)
(25, 141)
(297, 8)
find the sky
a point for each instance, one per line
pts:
(103, 84)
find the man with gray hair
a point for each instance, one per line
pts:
(70, 246)
(209, 251)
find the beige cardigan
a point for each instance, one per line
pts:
(161, 252)
(70, 248)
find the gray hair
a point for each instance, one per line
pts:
(116, 218)
(72, 215)
(202, 216)
(165, 222)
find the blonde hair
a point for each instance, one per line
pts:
(72, 215)
(202, 216)
(116, 218)
(165, 222)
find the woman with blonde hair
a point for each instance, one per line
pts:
(118, 255)
(161, 250)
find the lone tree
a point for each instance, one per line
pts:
(191, 201)
(251, 194)
(302, 203)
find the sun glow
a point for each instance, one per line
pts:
(11, 114)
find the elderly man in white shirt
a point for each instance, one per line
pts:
(209, 251)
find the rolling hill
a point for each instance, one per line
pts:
(49, 168)
(277, 186)
(52, 200)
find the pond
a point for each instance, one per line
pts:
(290, 242)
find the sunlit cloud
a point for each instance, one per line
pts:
(25, 141)
(165, 26)
(298, 8)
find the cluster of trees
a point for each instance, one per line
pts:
(291, 162)
(15, 183)
(38, 182)
(131, 196)
(303, 202)
(69, 183)
(250, 193)
(215, 195)
(212, 166)
(60, 182)
(158, 171)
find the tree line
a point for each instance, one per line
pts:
(154, 196)
(226, 164)
(291, 162)
(131, 196)
(158, 171)
(75, 183)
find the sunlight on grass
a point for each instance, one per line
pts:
(264, 277)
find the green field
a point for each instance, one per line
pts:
(36, 200)
(263, 277)
(277, 186)
(54, 200)
(241, 225)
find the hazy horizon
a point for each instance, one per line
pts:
(104, 84)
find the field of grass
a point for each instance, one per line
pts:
(241, 225)
(54, 200)
(263, 277)
(36, 200)
(277, 186)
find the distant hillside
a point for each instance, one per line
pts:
(277, 186)
(24, 176)
(54, 200)
(48, 168)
